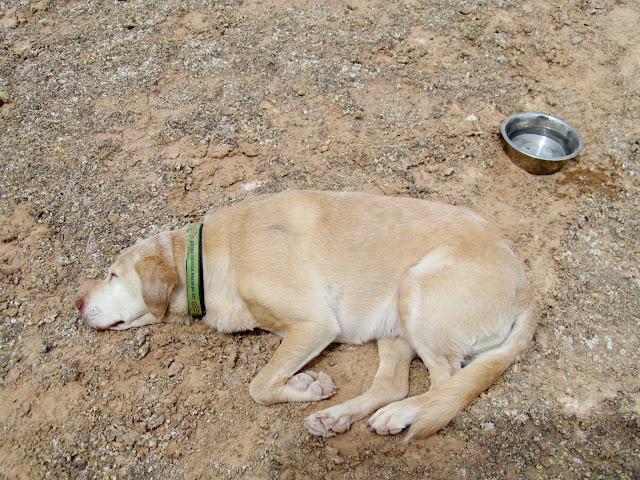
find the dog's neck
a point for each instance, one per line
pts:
(194, 270)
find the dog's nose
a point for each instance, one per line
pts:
(80, 304)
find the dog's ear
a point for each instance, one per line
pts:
(157, 279)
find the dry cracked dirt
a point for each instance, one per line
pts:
(123, 118)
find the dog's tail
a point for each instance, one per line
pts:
(444, 402)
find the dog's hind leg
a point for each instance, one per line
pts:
(455, 313)
(390, 384)
(277, 382)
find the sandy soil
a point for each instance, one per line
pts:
(123, 118)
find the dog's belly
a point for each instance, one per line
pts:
(360, 325)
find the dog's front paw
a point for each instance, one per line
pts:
(318, 385)
(327, 423)
(392, 419)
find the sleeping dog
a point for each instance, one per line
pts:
(423, 279)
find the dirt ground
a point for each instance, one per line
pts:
(123, 118)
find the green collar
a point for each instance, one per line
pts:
(195, 278)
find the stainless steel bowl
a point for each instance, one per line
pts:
(540, 143)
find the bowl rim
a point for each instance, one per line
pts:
(570, 127)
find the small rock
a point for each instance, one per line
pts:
(218, 151)
(9, 20)
(542, 339)
(249, 150)
(438, 112)
(113, 218)
(110, 434)
(129, 23)
(582, 221)
(300, 90)
(334, 455)
(155, 421)
(331, 450)
(4, 97)
(159, 354)
(70, 374)
(25, 409)
(38, 6)
(92, 245)
(231, 359)
(142, 335)
(166, 363)
(4, 360)
(174, 369)
(140, 353)
(129, 439)
(173, 448)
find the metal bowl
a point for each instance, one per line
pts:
(540, 143)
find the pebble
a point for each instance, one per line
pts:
(25, 409)
(300, 90)
(140, 353)
(9, 237)
(174, 369)
(582, 221)
(334, 455)
(155, 421)
(218, 151)
(142, 335)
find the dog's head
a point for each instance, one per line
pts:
(137, 289)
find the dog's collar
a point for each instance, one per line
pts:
(195, 278)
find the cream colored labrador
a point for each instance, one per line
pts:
(421, 278)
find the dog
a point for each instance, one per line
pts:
(421, 278)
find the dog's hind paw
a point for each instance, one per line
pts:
(326, 424)
(393, 418)
(318, 385)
